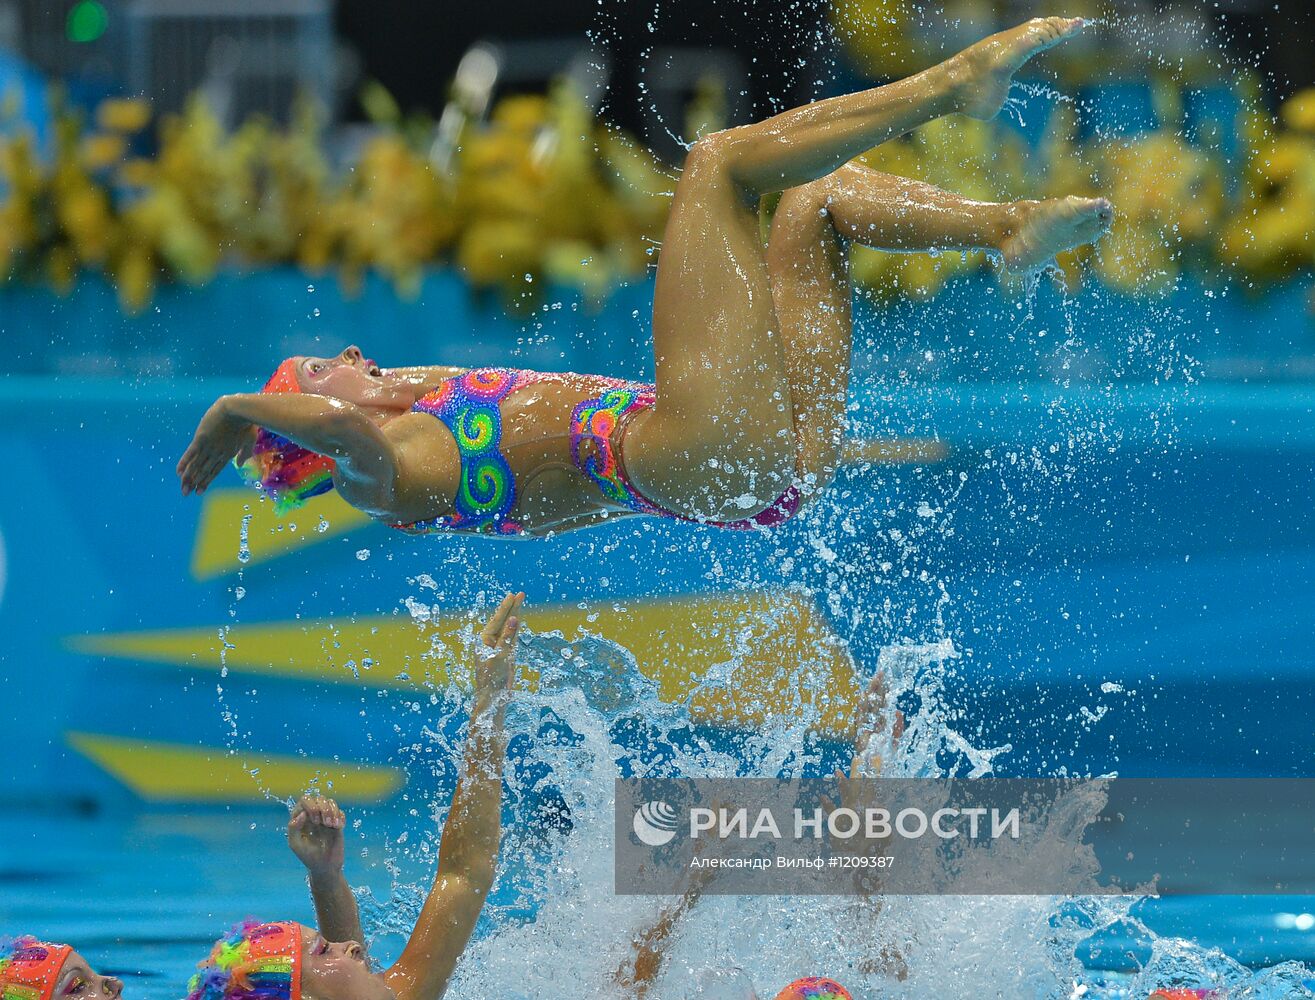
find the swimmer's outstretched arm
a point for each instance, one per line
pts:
(468, 850)
(869, 729)
(315, 834)
(641, 968)
(875, 729)
(365, 456)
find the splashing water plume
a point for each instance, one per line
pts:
(555, 912)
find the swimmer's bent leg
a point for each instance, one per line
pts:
(809, 271)
(807, 143)
(720, 441)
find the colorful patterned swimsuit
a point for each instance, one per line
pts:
(470, 406)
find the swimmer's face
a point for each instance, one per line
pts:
(337, 971)
(77, 981)
(353, 378)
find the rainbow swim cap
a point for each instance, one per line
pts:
(288, 473)
(1178, 994)
(29, 969)
(814, 988)
(254, 961)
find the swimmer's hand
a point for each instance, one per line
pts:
(495, 671)
(219, 436)
(315, 834)
(867, 731)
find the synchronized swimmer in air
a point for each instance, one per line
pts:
(751, 343)
(743, 427)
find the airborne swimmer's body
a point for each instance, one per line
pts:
(752, 343)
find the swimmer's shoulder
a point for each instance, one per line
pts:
(418, 439)
(410, 426)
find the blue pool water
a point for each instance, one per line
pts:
(1125, 579)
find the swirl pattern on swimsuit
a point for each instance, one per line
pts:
(488, 385)
(470, 407)
(476, 429)
(486, 487)
(594, 424)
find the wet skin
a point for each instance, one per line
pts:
(338, 970)
(353, 378)
(78, 980)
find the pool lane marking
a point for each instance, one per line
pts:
(738, 658)
(175, 772)
(215, 546)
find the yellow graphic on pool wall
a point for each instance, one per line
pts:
(217, 551)
(734, 660)
(738, 659)
(171, 772)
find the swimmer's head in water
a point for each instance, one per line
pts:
(254, 961)
(814, 988)
(285, 961)
(37, 970)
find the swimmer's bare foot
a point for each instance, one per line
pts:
(1044, 229)
(982, 73)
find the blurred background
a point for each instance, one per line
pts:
(153, 152)
(1080, 507)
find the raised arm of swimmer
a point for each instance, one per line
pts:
(643, 966)
(285, 960)
(468, 852)
(315, 834)
(874, 727)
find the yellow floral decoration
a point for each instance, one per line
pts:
(543, 192)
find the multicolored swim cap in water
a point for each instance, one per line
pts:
(1181, 994)
(254, 961)
(814, 988)
(288, 473)
(29, 969)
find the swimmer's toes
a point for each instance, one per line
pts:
(1049, 228)
(1050, 31)
(985, 71)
